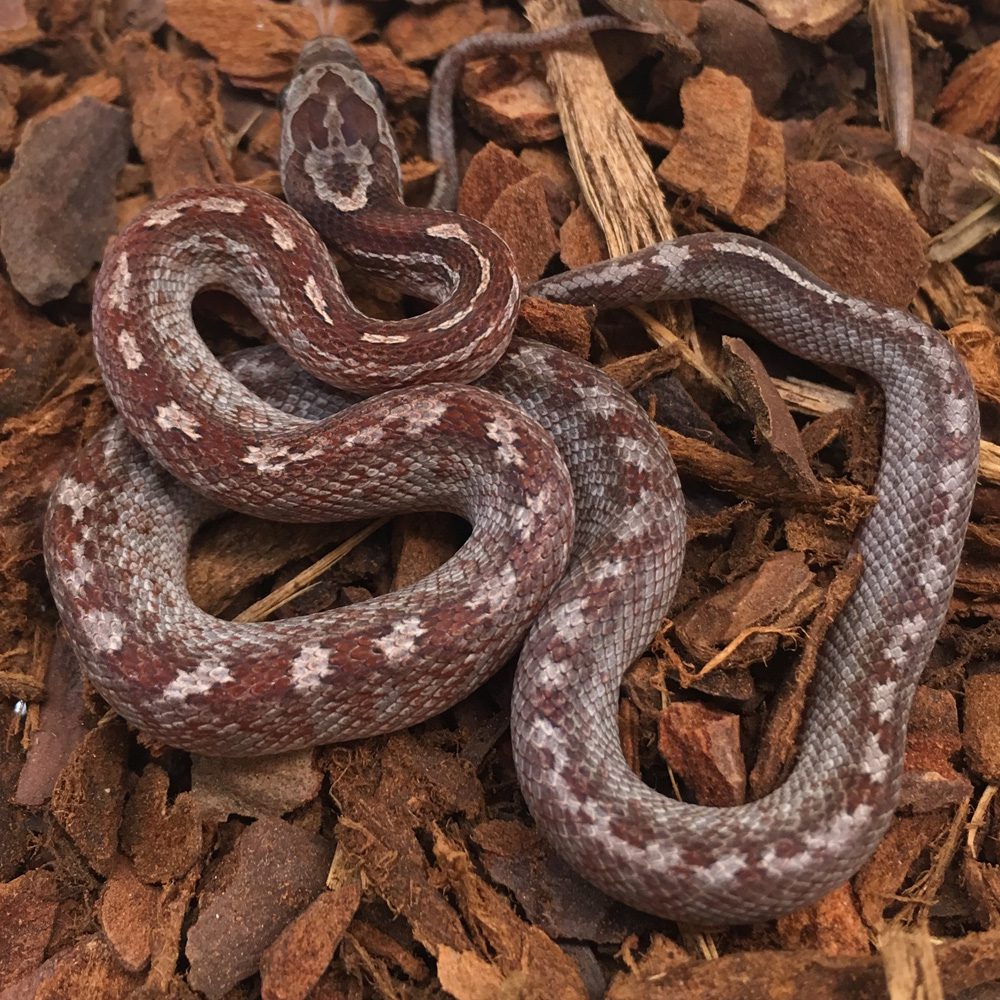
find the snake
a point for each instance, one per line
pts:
(577, 521)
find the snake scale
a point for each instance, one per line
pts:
(577, 518)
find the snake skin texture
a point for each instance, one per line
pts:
(577, 519)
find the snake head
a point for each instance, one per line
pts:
(337, 150)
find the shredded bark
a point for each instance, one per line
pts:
(408, 866)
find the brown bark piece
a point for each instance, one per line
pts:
(271, 875)
(970, 104)
(258, 786)
(18, 28)
(655, 135)
(490, 172)
(930, 782)
(16, 840)
(555, 167)
(176, 117)
(425, 542)
(418, 33)
(702, 745)
(63, 15)
(738, 41)
(39, 90)
(138, 15)
(981, 881)
(839, 226)
(979, 345)
(683, 13)
(521, 958)
(89, 793)
(962, 964)
(468, 976)
(948, 189)
(941, 17)
(374, 942)
(363, 959)
(100, 86)
(981, 729)
(637, 369)
(557, 323)
(832, 924)
(28, 908)
(10, 93)
(164, 840)
(515, 107)
(293, 964)
(644, 689)
(59, 730)
(881, 879)
(386, 795)
(58, 207)
(778, 739)
(256, 42)
(779, 595)
(402, 84)
(415, 172)
(984, 542)
(581, 241)
(520, 216)
(34, 450)
(237, 552)
(126, 912)
(88, 969)
(727, 154)
(173, 907)
(812, 20)
(748, 376)
(552, 894)
(845, 504)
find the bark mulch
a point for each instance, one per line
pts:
(408, 866)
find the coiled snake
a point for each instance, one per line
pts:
(577, 520)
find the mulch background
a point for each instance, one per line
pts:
(407, 866)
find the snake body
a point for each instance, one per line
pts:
(577, 518)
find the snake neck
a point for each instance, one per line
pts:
(340, 169)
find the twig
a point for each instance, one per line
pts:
(978, 225)
(720, 658)
(614, 172)
(893, 69)
(811, 398)
(926, 888)
(266, 606)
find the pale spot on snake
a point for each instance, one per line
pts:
(173, 417)
(283, 239)
(315, 296)
(121, 279)
(130, 352)
(401, 638)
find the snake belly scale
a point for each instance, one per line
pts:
(576, 513)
